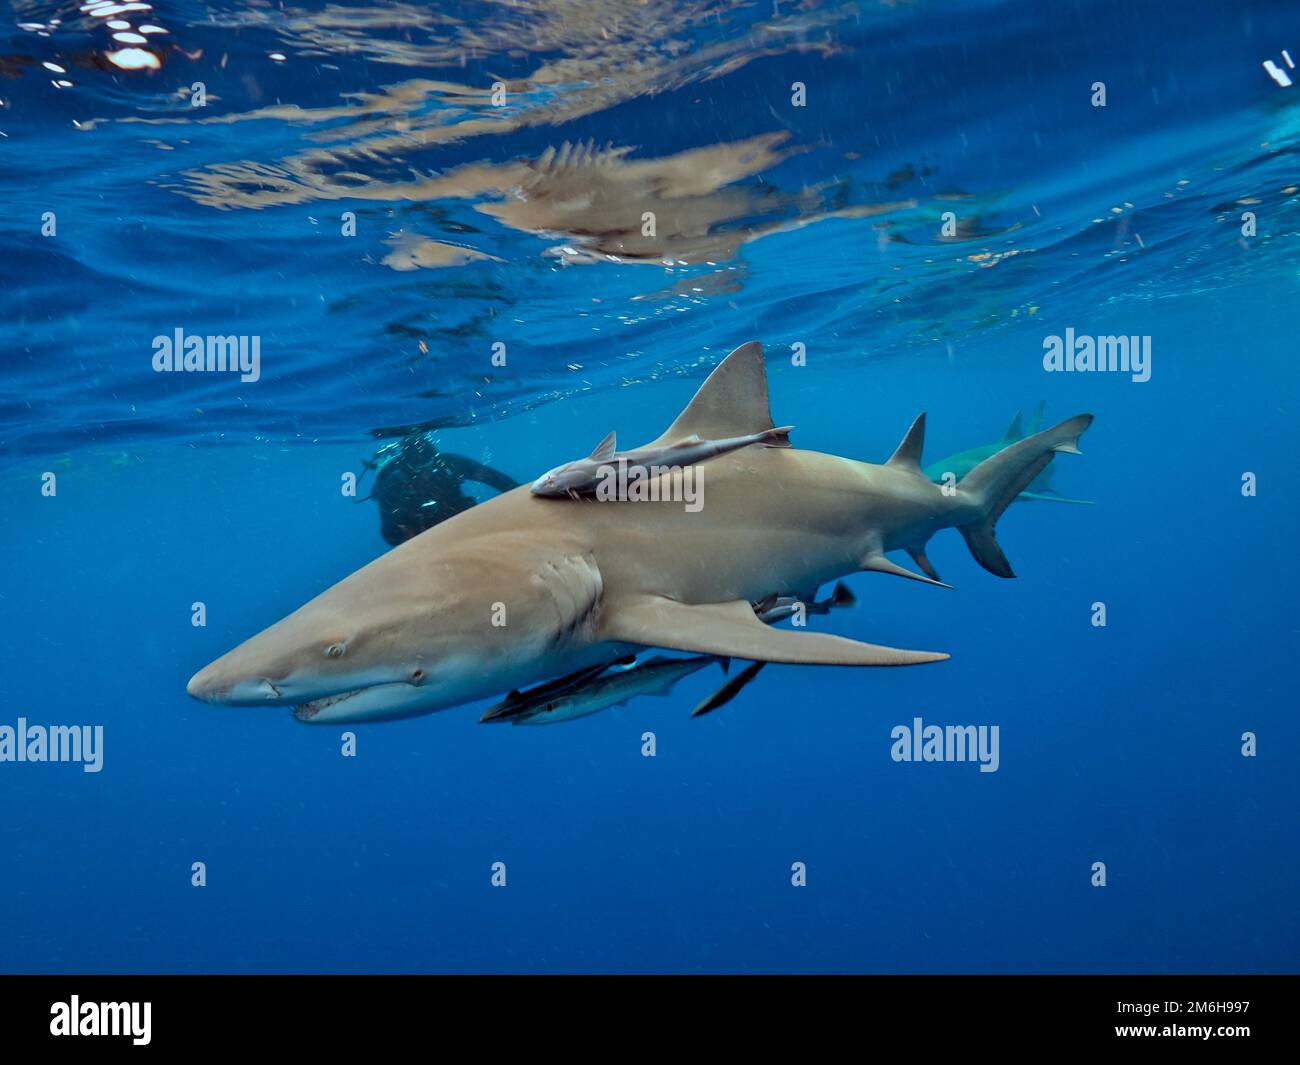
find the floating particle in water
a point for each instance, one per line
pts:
(54, 67)
(277, 56)
(150, 28)
(1277, 73)
(134, 59)
(129, 38)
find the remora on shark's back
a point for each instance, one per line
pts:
(583, 476)
(520, 589)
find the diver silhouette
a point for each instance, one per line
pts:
(417, 486)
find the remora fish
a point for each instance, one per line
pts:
(771, 610)
(518, 590)
(517, 702)
(582, 476)
(774, 609)
(655, 676)
(963, 462)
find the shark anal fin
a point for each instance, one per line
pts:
(732, 630)
(878, 563)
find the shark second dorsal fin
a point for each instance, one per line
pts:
(605, 449)
(731, 402)
(1014, 432)
(908, 453)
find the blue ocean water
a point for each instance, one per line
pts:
(493, 161)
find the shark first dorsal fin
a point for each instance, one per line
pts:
(731, 402)
(1014, 432)
(908, 453)
(605, 449)
(732, 630)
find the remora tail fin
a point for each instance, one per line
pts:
(996, 481)
(777, 437)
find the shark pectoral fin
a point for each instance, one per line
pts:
(878, 563)
(732, 630)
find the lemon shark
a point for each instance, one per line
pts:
(963, 462)
(524, 588)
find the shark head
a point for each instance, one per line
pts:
(402, 636)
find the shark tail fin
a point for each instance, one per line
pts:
(994, 483)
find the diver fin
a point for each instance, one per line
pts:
(996, 482)
(605, 449)
(1014, 432)
(878, 563)
(731, 402)
(732, 630)
(908, 453)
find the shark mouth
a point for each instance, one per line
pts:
(307, 711)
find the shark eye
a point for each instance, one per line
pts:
(417, 675)
(334, 650)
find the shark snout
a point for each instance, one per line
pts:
(212, 686)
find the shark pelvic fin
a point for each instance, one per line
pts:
(606, 448)
(731, 402)
(908, 453)
(878, 563)
(732, 630)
